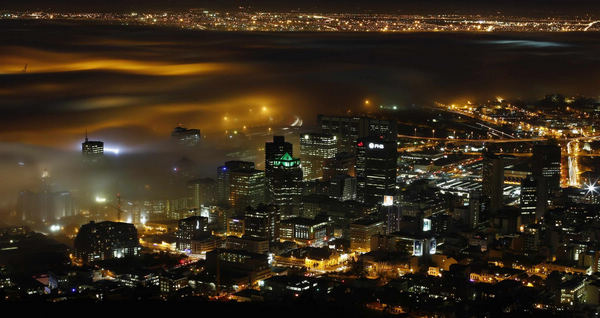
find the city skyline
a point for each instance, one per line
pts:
(381, 158)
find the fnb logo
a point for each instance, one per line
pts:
(375, 146)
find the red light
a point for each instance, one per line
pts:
(360, 144)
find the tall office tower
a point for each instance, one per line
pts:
(493, 180)
(263, 222)
(92, 151)
(376, 167)
(186, 137)
(273, 151)
(534, 200)
(349, 128)
(246, 188)
(286, 185)
(189, 228)
(201, 192)
(223, 179)
(342, 164)
(546, 163)
(315, 148)
(105, 240)
(391, 214)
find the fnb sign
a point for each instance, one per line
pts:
(375, 146)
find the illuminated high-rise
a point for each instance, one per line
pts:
(315, 148)
(223, 186)
(348, 129)
(286, 184)
(92, 150)
(263, 222)
(246, 188)
(376, 167)
(273, 152)
(546, 165)
(533, 199)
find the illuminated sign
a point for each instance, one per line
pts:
(388, 200)
(417, 248)
(432, 246)
(426, 225)
(375, 146)
(360, 144)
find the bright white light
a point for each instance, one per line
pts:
(54, 228)
(388, 200)
(113, 150)
(100, 199)
(591, 188)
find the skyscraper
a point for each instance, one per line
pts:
(92, 151)
(534, 199)
(246, 188)
(348, 129)
(315, 148)
(376, 166)
(493, 180)
(224, 179)
(274, 150)
(263, 222)
(286, 184)
(546, 164)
